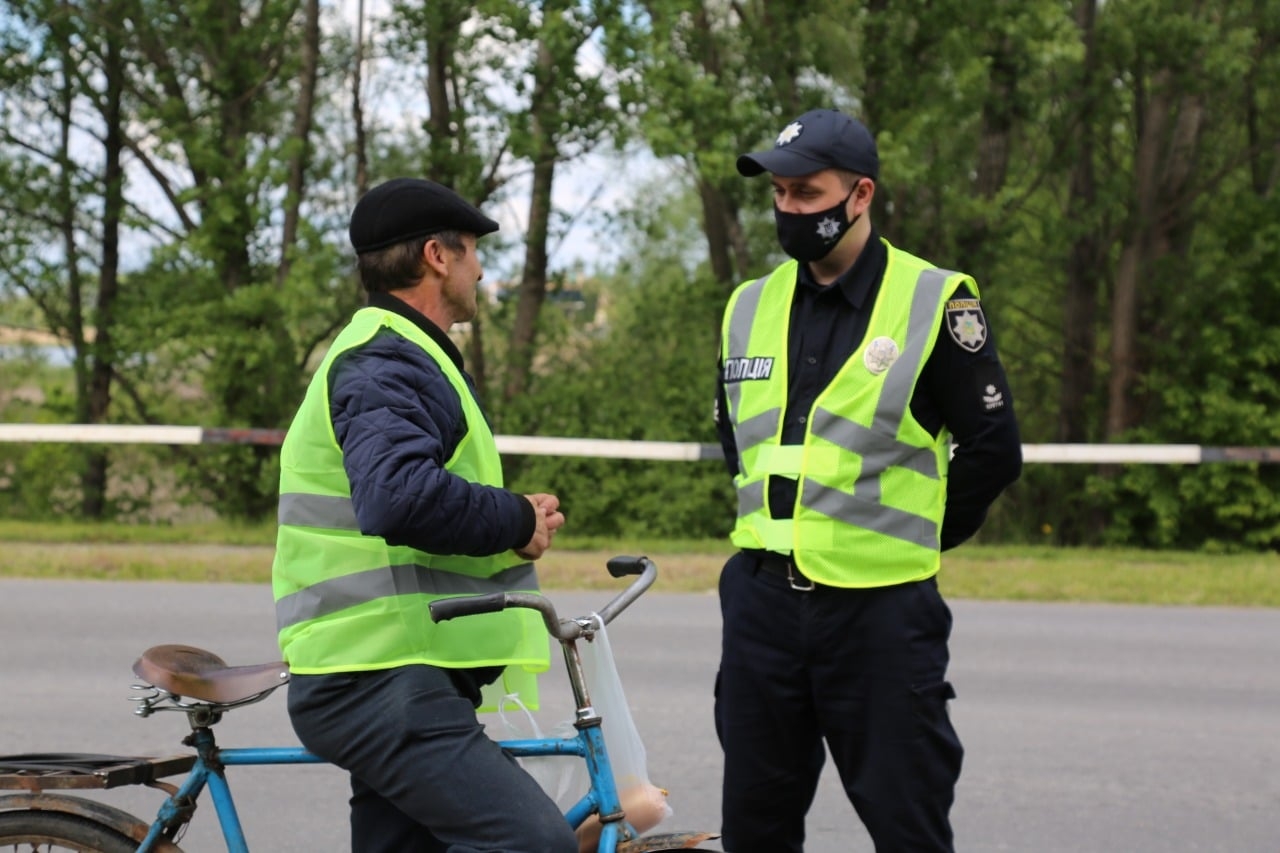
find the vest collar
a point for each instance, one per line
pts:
(387, 302)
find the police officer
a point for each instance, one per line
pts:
(391, 496)
(846, 374)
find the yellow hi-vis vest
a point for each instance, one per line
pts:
(871, 487)
(346, 601)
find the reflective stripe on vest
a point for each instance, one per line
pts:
(349, 602)
(884, 439)
(350, 590)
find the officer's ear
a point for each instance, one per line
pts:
(865, 190)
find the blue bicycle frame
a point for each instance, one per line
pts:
(207, 772)
(588, 745)
(602, 796)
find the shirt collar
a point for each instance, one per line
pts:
(387, 302)
(860, 279)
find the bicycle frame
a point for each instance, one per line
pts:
(208, 772)
(602, 794)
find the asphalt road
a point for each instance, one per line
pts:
(1087, 728)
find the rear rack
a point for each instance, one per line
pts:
(47, 771)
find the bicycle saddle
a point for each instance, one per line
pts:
(197, 674)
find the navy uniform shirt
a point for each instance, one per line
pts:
(961, 388)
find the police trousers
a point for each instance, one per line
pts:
(863, 670)
(424, 776)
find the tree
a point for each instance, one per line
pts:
(65, 177)
(224, 133)
(199, 111)
(643, 370)
(566, 116)
(707, 81)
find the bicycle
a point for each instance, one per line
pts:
(201, 685)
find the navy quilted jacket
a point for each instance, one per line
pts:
(398, 419)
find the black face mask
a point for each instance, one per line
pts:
(811, 236)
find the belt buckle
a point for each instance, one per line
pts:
(795, 581)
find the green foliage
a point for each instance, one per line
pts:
(648, 374)
(1215, 381)
(987, 113)
(38, 480)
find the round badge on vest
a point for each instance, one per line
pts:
(880, 353)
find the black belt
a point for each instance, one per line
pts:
(784, 566)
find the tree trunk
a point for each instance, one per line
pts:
(477, 365)
(718, 220)
(227, 205)
(1084, 264)
(974, 242)
(94, 480)
(553, 57)
(1134, 258)
(295, 187)
(1168, 143)
(442, 128)
(877, 67)
(533, 279)
(357, 109)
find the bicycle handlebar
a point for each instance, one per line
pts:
(566, 629)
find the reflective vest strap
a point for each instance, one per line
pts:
(334, 594)
(867, 489)
(871, 514)
(755, 430)
(750, 498)
(744, 309)
(780, 460)
(738, 331)
(777, 534)
(879, 450)
(900, 381)
(304, 510)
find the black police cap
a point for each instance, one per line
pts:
(404, 208)
(817, 140)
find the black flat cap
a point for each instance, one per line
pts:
(404, 208)
(817, 140)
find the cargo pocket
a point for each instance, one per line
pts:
(939, 753)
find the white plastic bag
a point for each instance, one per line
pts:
(645, 804)
(563, 777)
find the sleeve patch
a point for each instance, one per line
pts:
(989, 382)
(966, 324)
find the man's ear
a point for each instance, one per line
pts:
(436, 256)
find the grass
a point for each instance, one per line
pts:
(231, 553)
(1111, 575)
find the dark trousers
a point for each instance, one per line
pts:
(863, 670)
(424, 776)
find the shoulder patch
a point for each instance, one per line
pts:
(966, 324)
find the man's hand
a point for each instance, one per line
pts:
(550, 519)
